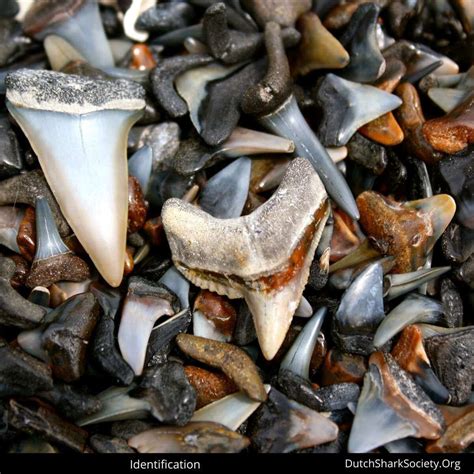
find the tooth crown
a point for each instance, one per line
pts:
(68, 93)
(250, 246)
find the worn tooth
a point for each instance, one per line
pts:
(164, 75)
(366, 61)
(196, 437)
(271, 292)
(410, 355)
(175, 281)
(53, 260)
(78, 22)
(37, 101)
(117, 405)
(226, 192)
(318, 48)
(391, 406)
(233, 361)
(145, 303)
(358, 104)
(447, 99)
(283, 425)
(399, 284)
(415, 308)
(360, 311)
(304, 309)
(10, 220)
(298, 358)
(60, 53)
(140, 166)
(415, 226)
(136, 8)
(230, 411)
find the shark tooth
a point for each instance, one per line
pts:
(415, 308)
(78, 22)
(226, 192)
(60, 53)
(391, 406)
(230, 411)
(415, 226)
(53, 260)
(70, 108)
(298, 358)
(145, 303)
(10, 220)
(411, 356)
(282, 12)
(360, 40)
(140, 166)
(270, 281)
(447, 99)
(360, 311)
(358, 104)
(304, 309)
(175, 281)
(202, 327)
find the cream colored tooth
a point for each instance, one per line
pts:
(447, 99)
(64, 118)
(251, 257)
(60, 52)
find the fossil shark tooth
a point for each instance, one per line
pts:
(357, 104)
(390, 407)
(230, 411)
(10, 220)
(364, 253)
(447, 99)
(77, 21)
(61, 112)
(140, 165)
(175, 281)
(263, 257)
(226, 192)
(202, 327)
(298, 358)
(145, 303)
(415, 308)
(401, 283)
(53, 260)
(360, 40)
(60, 53)
(304, 309)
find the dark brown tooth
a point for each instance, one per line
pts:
(283, 12)
(209, 386)
(218, 310)
(340, 367)
(452, 357)
(66, 339)
(459, 434)
(233, 361)
(107, 444)
(37, 418)
(455, 131)
(137, 206)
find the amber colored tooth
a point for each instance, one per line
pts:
(384, 130)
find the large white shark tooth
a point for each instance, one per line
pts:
(10, 220)
(415, 308)
(230, 411)
(391, 406)
(78, 129)
(298, 358)
(145, 303)
(263, 257)
(77, 21)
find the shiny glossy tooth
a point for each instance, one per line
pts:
(298, 358)
(230, 411)
(136, 8)
(117, 405)
(140, 165)
(81, 26)
(337, 154)
(202, 327)
(226, 192)
(145, 303)
(390, 407)
(304, 309)
(273, 308)
(175, 281)
(399, 284)
(36, 100)
(364, 253)
(358, 104)
(40, 296)
(10, 220)
(415, 308)
(447, 99)
(60, 53)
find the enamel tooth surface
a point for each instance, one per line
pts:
(56, 112)
(249, 259)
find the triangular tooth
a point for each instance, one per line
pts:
(60, 53)
(415, 308)
(140, 166)
(86, 170)
(446, 99)
(176, 282)
(230, 411)
(202, 327)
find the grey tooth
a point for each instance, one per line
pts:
(176, 282)
(140, 166)
(202, 327)
(304, 309)
(10, 220)
(415, 308)
(405, 446)
(447, 99)
(298, 357)
(226, 192)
